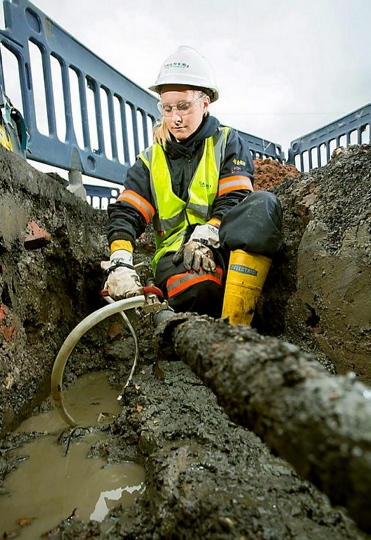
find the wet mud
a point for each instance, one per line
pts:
(55, 474)
(205, 476)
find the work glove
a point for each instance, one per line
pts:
(206, 234)
(195, 253)
(122, 280)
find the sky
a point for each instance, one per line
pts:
(283, 67)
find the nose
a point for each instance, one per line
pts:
(175, 116)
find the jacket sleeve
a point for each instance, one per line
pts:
(133, 209)
(236, 175)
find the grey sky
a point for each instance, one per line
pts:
(283, 67)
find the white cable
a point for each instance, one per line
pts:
(71, 340)
(132, 331)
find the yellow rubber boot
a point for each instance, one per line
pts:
(246, 275)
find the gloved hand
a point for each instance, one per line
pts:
(206, 234)
(122, 280)
(195, 255)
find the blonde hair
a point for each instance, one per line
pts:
(161, 133)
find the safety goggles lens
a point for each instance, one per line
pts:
(182, 107)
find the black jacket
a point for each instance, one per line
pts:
(127, 223)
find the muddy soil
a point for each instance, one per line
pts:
(206, 477)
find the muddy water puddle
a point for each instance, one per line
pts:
(51, 484)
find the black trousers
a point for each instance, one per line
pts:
(253, 225)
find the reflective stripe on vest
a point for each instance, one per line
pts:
(173, 215)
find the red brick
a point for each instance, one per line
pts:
(36, 237)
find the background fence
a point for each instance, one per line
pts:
(85, 117)
(315, 149)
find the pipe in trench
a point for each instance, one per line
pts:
(318, 422)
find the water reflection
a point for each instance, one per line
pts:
(49, 485)
(104, 502)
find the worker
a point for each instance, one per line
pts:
(214, 235)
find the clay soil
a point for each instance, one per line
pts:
(270, 173)
(206, 477)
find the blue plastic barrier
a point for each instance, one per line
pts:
(315, 149)
(261, 148)
(101, 196)
(131, 112)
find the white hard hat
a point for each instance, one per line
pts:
(187, 67)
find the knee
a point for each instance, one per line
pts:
(263, 204)
(254, 225)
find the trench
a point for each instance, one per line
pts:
(58, 476)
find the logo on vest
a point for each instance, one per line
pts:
(243, 269)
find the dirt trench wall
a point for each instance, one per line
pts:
(325, 271)
(50, 247)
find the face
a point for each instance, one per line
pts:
(183, 110)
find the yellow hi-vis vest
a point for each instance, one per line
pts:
(173, 215)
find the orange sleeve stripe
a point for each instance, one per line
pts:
(139, 202)
(233, 183)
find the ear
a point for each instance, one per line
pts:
(206, 103)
